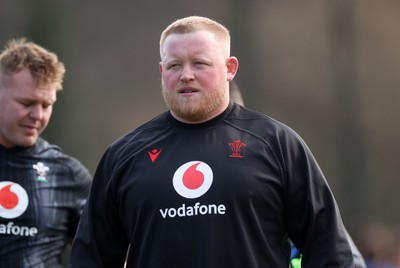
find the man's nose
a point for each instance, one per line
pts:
(187, 73)
(36, 112)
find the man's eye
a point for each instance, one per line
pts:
(173, 66)
(201, 63)
(26, 104)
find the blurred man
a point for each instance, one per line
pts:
(235, 94)
(42, 190)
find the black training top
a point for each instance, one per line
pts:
(225, 193)
(42, 193)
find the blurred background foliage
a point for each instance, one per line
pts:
(329, 69)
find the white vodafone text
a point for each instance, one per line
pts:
(197, 209)
(12, 229)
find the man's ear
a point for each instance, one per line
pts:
(160, 67)
(232, 65)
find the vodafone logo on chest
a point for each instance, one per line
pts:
(192, 180)
(13, 203)
(13, 200)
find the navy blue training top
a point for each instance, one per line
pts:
(42, 194)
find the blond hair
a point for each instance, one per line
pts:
(196, 23)
(44, 65)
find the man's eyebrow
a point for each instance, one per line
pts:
(34, 100)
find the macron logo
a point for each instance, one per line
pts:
(154, 154)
